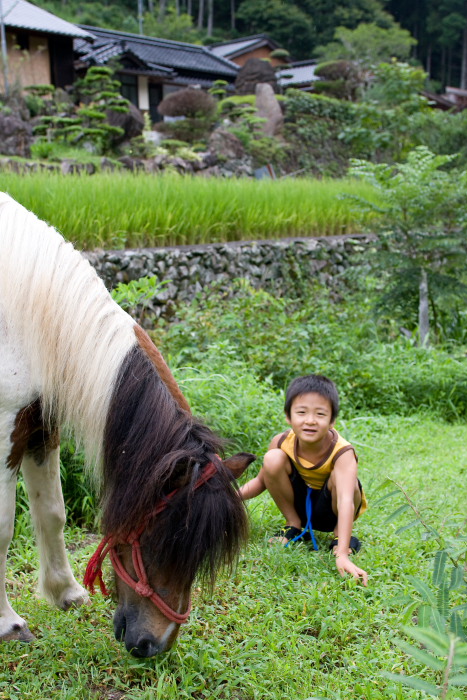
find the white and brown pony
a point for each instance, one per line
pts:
(71, 356)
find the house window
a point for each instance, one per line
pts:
(22, 41)
(129, 88)
(155, 98)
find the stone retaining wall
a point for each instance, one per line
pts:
(281, 267)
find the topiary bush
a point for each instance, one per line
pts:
(195, 113)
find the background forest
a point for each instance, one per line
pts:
(300, 26)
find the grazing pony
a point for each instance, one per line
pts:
(71, 356)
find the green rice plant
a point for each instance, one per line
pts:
(134, 210)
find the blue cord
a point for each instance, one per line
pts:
(308, 526)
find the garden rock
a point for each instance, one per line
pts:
(131, 122)
(131, 163)
(107, 165)
(225, 145)
(71, 167)
(253, 72)
(15, 135)
(268, 107)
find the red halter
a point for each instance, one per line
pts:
(141, 585)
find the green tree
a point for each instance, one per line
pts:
(421, 230)
(395, 83)
(368, 44)
(173, 25)
(329, 14)
(283, 21)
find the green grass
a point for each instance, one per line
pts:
(283, 624)
(125, 210)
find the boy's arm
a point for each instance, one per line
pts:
(255, 486)
(345, 475)
(275, 441)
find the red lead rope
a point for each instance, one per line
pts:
(141, 585)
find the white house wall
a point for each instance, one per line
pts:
(143, 92)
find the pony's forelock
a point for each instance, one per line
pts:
(199, 532)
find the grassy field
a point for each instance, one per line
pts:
(125, 210)
(283, 624)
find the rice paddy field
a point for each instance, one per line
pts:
(128, 210)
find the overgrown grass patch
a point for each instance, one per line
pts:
(283, 338)
(127, 210)
(283, 624)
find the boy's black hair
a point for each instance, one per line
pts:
(316, 383)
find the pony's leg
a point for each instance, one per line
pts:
(56, 581)
(12, 626)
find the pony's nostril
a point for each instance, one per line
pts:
(145, 647)
(119, 626)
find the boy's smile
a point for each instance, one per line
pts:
(311, 419)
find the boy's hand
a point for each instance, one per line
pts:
(345, 566)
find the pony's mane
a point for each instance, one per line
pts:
(71, 334)
(152, 446)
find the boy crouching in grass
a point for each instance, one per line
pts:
(311, 473)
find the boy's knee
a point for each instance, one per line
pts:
(275, 461)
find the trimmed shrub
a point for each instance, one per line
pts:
(190, 103)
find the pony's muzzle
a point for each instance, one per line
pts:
(145, 647)
(139, 641)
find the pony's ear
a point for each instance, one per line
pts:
(238, 463)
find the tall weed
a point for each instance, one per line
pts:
(282, 338)
(441, 628)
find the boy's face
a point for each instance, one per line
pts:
(310, 417)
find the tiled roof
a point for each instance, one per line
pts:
(99, 54)
(158, 52)
(19, 14)
(299, 73)
(238, 46)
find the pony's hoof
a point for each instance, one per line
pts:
(75, 600)
(18, 633)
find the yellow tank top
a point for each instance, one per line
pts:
(315, 475)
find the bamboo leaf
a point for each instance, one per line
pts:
(439, 567)
(397, 512)
(420, 655)
(385, 497)
(424, 590)
(433, 641)
(443, 600)
(460, 655)
(383, 484)
(457, 577)
(409, 526)
(460, 680)
(412, 682)
(456, 627)
(424, 615)
(438, 621)
(408, 611)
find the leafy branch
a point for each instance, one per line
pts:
(440, 629)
